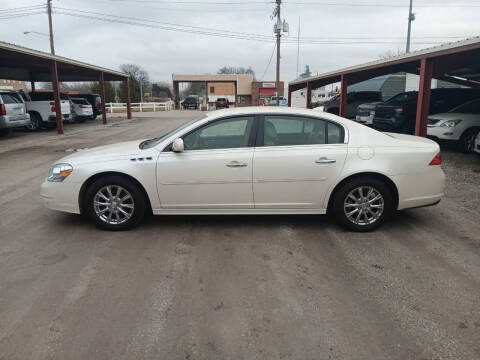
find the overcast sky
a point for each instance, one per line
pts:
(162, 52)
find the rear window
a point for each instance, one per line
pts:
(9, 98)
(471, 107)
(80, 101)
(98, 100)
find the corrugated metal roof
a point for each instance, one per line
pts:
(427, 52)
(44, 55)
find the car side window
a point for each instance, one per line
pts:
(335, 133)
(282, 130)
(221, 134)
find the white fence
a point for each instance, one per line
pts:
(141, 107)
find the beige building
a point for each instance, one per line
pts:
(12, 85)
(236, 88)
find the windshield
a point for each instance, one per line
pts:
(147, 144)
(402, 98)
(471, 107)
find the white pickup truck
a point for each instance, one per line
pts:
(41, 107)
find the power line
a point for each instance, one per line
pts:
(197, 30)
(269, 61)
(19, 15)
(23, 8)
(339, 4)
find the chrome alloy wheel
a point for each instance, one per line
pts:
(113, 204)
(364, 205)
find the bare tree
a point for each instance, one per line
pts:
(237, 70)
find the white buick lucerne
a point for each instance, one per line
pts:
(258, 160)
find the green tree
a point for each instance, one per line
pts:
(110, 93)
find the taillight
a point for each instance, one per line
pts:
(52, 103)
(84, 106)
(3, 109)
(437, 160)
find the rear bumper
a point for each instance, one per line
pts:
(420, 189)
(6, 122)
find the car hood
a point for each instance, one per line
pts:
(113, 151)
(369, 105)
(446, 116)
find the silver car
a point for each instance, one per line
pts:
(12, 112)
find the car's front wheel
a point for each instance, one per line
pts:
(363, 204)
(466, 143)
(115, 203)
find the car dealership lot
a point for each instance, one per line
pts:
(208, 287)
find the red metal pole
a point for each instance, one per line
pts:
(289, 96)
(309, 95)
(129, 102)
(423, 102)
(56, 96)
(102, 95)
(343, 96)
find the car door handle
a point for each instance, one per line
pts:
(324, 160)
(236, 164)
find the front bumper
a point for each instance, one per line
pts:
(367, 120)
(443, 133)
(61, 196)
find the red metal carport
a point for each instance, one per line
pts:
(24, 64)
(457, 62)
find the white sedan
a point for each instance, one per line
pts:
(258, 160)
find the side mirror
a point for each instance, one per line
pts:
(177, 145)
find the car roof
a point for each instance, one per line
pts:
(251, 110)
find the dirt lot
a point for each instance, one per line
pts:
(236, 287)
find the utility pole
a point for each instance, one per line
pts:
(49, 11)
(411, 17)
(298, 44)
(278, 29)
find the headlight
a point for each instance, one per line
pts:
(450, 123)
(59, 172)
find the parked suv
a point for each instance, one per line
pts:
(81, 109)
(95, 100)
(41, 107)
(221, 103)
(398, 113)
(460, 125)
(12, 112)
(354, 99)
(190, 102)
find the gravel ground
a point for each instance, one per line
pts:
(232, 287)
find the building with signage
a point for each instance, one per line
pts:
(240, 89)
(262, 91)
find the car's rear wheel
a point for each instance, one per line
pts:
(466, 143)
(363, 204)
(35, 122)
(115, 203)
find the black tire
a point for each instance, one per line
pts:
(466, 143)
(139, 202)
(4, 132)
(35, 122)
(340, 198)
